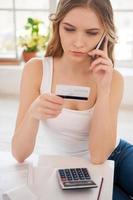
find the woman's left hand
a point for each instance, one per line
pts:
(102, 68)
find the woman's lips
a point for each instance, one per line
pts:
(78, 53)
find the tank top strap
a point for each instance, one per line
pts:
(47, 75)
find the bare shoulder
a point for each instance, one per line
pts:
(117, 74)
(34, 65)
(117, 80)
(33, 70)
(33, 62)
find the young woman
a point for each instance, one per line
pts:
(78, 128)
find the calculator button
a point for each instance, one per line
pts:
(61, 171)
(62, 175)
(68, 174)
(74, 174)
(80, 174)
(86, 173)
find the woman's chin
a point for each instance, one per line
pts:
(78, 59)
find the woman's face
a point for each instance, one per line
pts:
(80, 31)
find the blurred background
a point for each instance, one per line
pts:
(17, 36)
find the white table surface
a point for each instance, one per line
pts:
(13, 174)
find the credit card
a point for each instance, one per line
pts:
(72, 92)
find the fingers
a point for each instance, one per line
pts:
(101, 57)
(101, 68)
(48, 113)
(46, 106)
(50, 106)
(97, 52)
(101, 61)
(52, 98)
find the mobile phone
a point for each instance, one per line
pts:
(101, 42)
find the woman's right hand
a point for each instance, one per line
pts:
(46, 106)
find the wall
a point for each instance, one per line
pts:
(128, 86)
(10, 77)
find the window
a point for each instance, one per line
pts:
(123, 15)
(13, 15)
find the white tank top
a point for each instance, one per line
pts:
(68, 133)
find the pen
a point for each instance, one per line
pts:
(100, 189)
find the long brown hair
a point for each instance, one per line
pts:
(102, 8)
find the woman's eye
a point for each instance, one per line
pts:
(88, 33)
(69, 29)
(92, 33)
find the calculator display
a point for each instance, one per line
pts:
(72, 178)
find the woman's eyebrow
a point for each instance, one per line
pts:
(89, 29)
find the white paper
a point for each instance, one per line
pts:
(47, 187)
(38, 178)
(44, 182)
(19, 193)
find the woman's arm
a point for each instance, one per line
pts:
(26, 126)
(103, 131)
(102, 137)
(33, 108)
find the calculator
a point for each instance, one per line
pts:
(74, 178)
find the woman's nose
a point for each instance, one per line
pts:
(79, 42)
